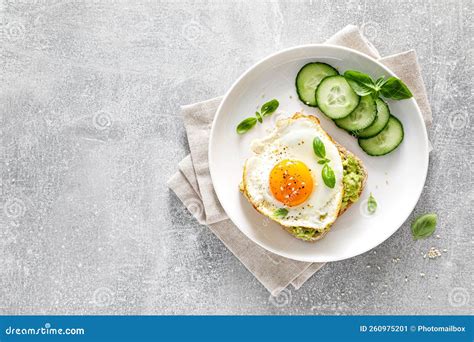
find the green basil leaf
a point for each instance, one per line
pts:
(380, 82)
(323, 161)
(259, 117)
(424, 226)
(395, 89)
(245, 125)
(359, 77)
(328, 175)
(319, 148)
(280, 213)
(371, 204)
(361, 83)
(269, 107)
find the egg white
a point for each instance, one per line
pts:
(293, 139)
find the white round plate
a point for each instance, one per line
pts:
(396, 179)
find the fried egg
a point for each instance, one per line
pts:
(284, 173)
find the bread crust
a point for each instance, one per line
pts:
(344, 154)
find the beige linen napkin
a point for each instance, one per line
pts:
(192, 183)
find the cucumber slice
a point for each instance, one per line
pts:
(386, 141)
(383, 114)
(361, 117)
(308, 79)
(335, 97)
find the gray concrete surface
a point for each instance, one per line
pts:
(89, 96)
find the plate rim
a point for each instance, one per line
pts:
(303, 47)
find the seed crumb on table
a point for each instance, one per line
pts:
(434, 253)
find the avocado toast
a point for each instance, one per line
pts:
(353, 180)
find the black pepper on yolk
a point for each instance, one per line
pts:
(291, 182)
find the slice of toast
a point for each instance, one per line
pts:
(344, 155)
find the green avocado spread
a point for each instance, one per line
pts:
(352, 183)
(303, 233)
(352, 180)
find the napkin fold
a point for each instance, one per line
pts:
(193, 186)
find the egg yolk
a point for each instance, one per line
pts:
(291, 182)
